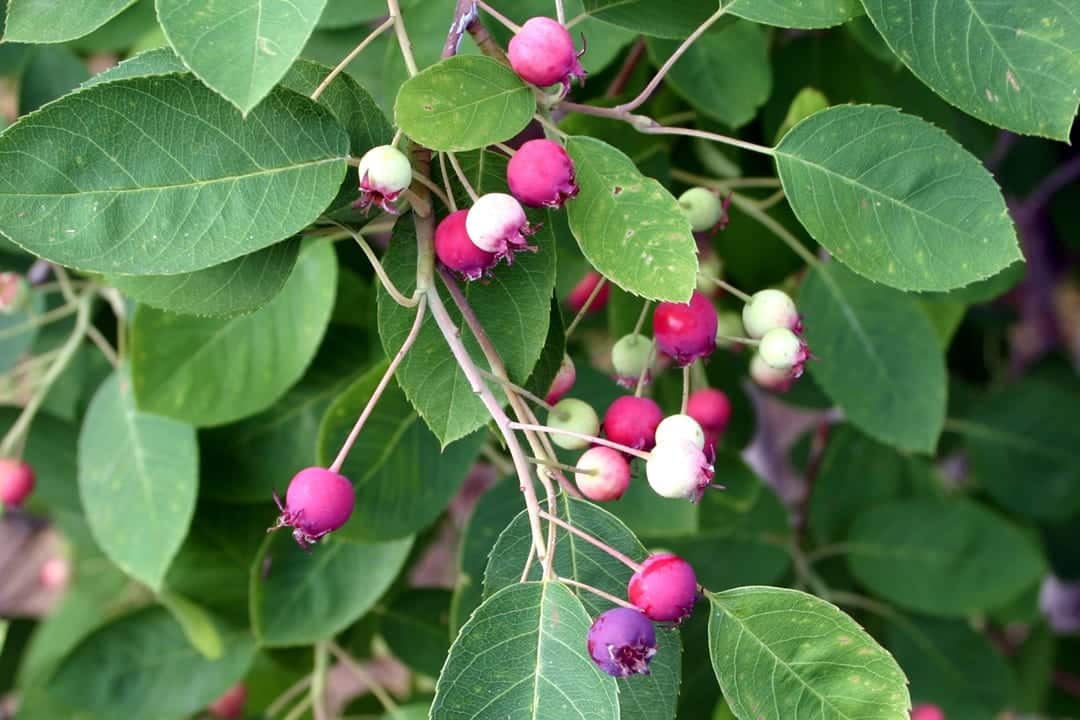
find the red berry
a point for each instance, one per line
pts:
(457, 252)
(16, 481)
(230, 706)
(686, 331)
(665, 588)
(632, 421)
(581, 292)
(603, 474)
(318, 502)
(563, 382)
(927, 712)
(543, 53)
(711, 408)
(622, 641)
(541, 174)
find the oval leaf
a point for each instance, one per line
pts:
(525, 646)
(628, 226)
(1015, 65)
(784, 655)
(56, 21)
(877, 356)
(464, 103)
(183, 184)
(210, 371)
(895, 198)
(957, 559)
(805, 14)
(138, 475)
(653, 18)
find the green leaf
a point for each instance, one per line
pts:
(652, 18)
(895, 198)
(160, 61)
(942, 558)
(200, 186)
(805, 14)
(403, 479)
(347, 13)
(725, 74)
(123, 33)
(513, 306)
(628, 226)
(464, 103)
(211, 371)
(877, 356)
(1015, 65)
(138, 475)
(416, 627)
(522, 655)
(233, 288)
(239, 48)
(56, 21)
(1022, 441)
(196, 623)
(299, 597)
(784, 655)
(51, 72)
(13, 342)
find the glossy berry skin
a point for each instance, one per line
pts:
(632, 421)
(686, 332)
(580, 294)
(680, 429)
(385, 173)
(603, 474)
(770, 309)
(927, 712)
(711, 408)
(230, 706)
(318, 502)
(496, 223)
(631, 358)
(14, 292)
(622, 641)
(541, 174)
(457, 252)
(665, 588)
(679, 470)
(543, 53)
(769, 377)
(16, 482)
(576, 416)
(563, 382)
(781, 349)
(702, 207)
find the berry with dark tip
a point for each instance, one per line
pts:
(317, 502)
(686, 331)
(385, 173)
(563, 382)
(541, 174)
(665, 588)
(457, 252)
(542, 53)
(16, 482)
(602, 474)
(622, 641)
(230, 706)
(631, 358)
(769, 309)
(576, 416)
(496, 223)
(679, 470)
(580, 294)
(632, 421)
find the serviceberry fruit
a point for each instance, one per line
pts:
(496, 223)
(676, 429)
(318, 502)
(54, 573)
(632, 421)
(686, 331)
(631, 358)
(14, 292)
(927, 712)
(543, 53)
(457, 252)
(602, 474)
(711, 408)
(230, 706)
(16, 482)
(769, 309)
(679, 470)
(581, 292)
(702, 207)
(563, 382)
(576, 416)
(769, 377)
(665, 588)
(385, 173)
(622, 642)
(781, 349)
(541, 174)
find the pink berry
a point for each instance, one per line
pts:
(711, 408)
(563, 382)
(14, 291)
(686, 331)
(541, 174)
(318, 502)
(54, 573)
(927, 712)
(581, 292)
(543, 53)
(16, 482)
(385, 173)
(496, 223)
(665, 588)
(457, 252)
(622, 642)
(769, 377)
(632, 421)
(602, 474)
(770, 309)
(230, 706)
(679, 470)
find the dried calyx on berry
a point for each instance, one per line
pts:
(679, 470)
(602, 474)
(631, 359)
(783, 350)
(16, 482)
(317, 502)
(563, 382)
(457, 252)
(385, 173)
(686, 331)
(632, 421)
(575, 416)
(496, 223)
(541, 174)
(664, 588)
(542, 53)
(622, 642)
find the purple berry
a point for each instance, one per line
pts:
(602, 474)
(622, 642)
(665, 588)
(543, 53)
(686, 331)
(496, 223)
(632, 421)
(457, 252)
(679, 470)
(318, 502)
(541, 174)
(563, 382)
(16, 482)
(385, 173)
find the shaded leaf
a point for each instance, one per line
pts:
(806, 14)
(652, 18)
(56, 21)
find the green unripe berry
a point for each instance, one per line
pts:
(630, 357)
(769, 309)
(576, 416)
(702, 208)
(781, 349)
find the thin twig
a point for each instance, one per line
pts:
(318, 682)
(505, 148)
(645, 369)
(286, 697)
(596, 591)
(103, 345)
(37, 321)
(560, 12)
(402, 35)
(301, 707)
(543, 462)
(585, 307)
(685, 388)
(749, 207)
(373, 685)
(399, 297)
(745, 297)
(340, 67)
(433, 187)
(507, 384)
(446, 183)
(581, 436)
(461, 176)
(591, 540)
(627, 70)
(495, 458)
(499, 17)
(641, 318)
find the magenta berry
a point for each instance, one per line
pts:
(541, 174)
(783, 350)
(602, 474)
(686, 331)
(230, 706)
(385, 173)
(622, 642)
(769, 309)
(631, 358)
(679, 470)
(496, 223)
(665, 588)
(575, 416)
(543, 53)
(927, 712)
(457, 252)
(14, 292)
(581, 292)
(563, 382)
(16, 482)
(711, 408)
(318, 502)
(769, 377)
(632, 421)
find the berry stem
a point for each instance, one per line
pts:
(450, 201)
(103, 345)
(301, 707)
(37, 321)
(640, 387)
(591, 540)
(633, 58)
(506, 149)
(745, 297)
(499, 17)
(365, 677)
(685, 388)
(399, 297)
(340, 67)
(549, 126)
(286, 697)
(433, 187)
(580, 436)
(641, 318)
(318, 681)
(741, 340)
(596, 591)
(461, 176)
(585, 307)
(518, 389)
(553, 464)
(410, 339)
(402, 36)
(771, 201)
(549, 450)
(560, 12)
(751, 208)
